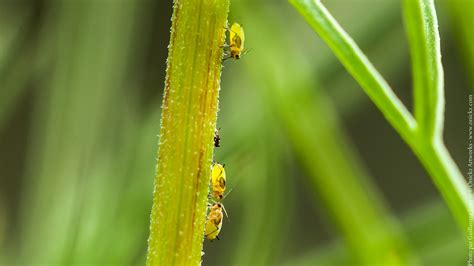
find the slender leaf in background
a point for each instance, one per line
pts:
(98, 153)
(378, 37)
(422, 29)
(189, 114)
(358, 65)
(358, 210)
(428, 87)
(431, 152)
(444, 247)
(266, 206)
(15, 65)
(71, 125)
(392, 58)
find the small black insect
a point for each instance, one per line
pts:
(217, 138)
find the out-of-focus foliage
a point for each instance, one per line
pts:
(424, 132)
(80, 95)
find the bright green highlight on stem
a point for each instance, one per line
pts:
(423, 135)
(422, 30)
(357, 64)
(187, 128)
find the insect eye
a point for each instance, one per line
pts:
(218, 205)
(237, 56)
(220, 197)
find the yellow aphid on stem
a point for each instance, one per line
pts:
(214, 222)
(237, 39)
(218, 180)
(236, 42)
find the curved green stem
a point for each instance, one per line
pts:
(358, 65)
(424, 136)
(422, 29)
(446, 175)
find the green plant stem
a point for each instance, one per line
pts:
(422, 29)
(447, 177)
(358, 65)
(428, 147)
(189, 114)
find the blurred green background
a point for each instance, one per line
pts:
(318, 176)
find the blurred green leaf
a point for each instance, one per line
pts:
(71, 124)
(358, 65)
(17, 63)
(461, 13)
(312, 128)
(426, 145)
(432, 232)
(266, 205)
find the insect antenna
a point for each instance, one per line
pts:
(228, 192)
(246, 51)
(225, 212)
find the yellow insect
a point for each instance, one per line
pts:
(237, 39)
(214, 222)
(218, 180)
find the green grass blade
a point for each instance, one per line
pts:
(17, 59)
(358, 65)
(259, 240)
(312, 127)
(445, 247)
(431, 151)
(189, 114)
(72, 125)
(422, 29)
(447, 177)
